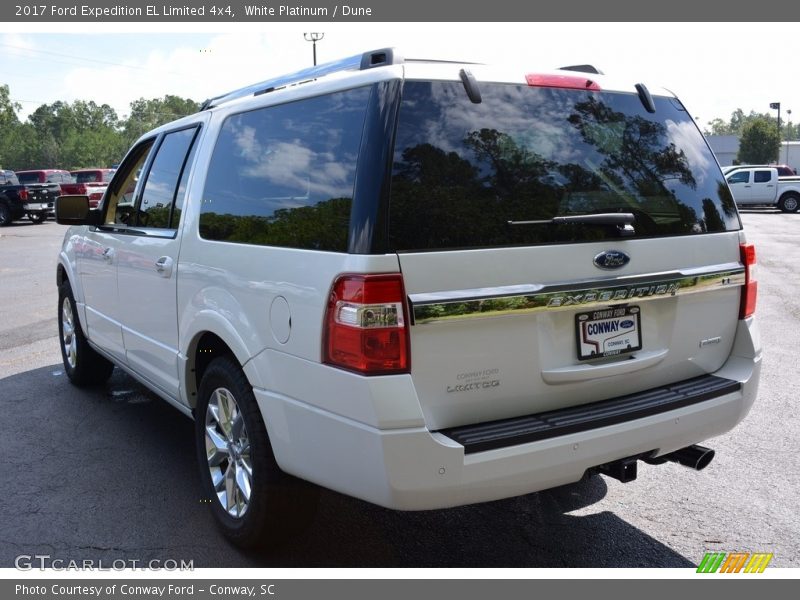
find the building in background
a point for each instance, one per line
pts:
(726, 147)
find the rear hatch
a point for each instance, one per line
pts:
(520, 303)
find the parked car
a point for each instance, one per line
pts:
(34, 201)
(84, 179)
(8, 177)
(423, 284)
(754, 186)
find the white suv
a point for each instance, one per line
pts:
(420, 283)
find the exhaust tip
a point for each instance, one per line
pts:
(695, 457)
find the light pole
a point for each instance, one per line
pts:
(314, 37)
(777, 106)
(788, 132)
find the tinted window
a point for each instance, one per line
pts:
(87, 176)
(739, 177)
(284, 175)
(463, 171)
(161, 187)
(27, 178)
(761, 176)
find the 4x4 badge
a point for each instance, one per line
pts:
(611, 259)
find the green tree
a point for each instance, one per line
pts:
(149, 114)
(737, 123)
(69, 136)
(759, 142)
(65, 135)
(9, 125)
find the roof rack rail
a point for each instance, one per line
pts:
(358, 62)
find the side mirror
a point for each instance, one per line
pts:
(74, 210)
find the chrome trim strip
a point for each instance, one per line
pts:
(585, 294)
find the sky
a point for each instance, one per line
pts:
(714, 68)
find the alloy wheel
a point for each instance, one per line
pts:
(228, 452)
(68, 339)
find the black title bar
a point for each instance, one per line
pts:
(230, 11)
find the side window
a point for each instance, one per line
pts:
(121, 195)
(761, 176)
(284, 175)
(739, 177)
(166, 180)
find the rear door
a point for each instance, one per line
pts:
(514, 313)
(764, 186)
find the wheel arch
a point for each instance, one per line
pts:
(66, 273)
(213, 337)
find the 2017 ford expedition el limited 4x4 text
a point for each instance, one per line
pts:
(420, 283)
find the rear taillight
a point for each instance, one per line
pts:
(366, 325)
(23, 195)
(750, 289)
(562, 81)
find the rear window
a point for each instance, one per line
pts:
(26, 178)
(88, 176)
(462, 171)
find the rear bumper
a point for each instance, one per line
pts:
(415, 469)
(37, 207)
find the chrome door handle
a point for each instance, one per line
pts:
(164, 265)
(108, 254)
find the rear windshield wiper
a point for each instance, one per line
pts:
(623, 221)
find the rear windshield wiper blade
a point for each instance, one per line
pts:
(623, 221)
(620, 219)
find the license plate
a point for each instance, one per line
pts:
(608, 332)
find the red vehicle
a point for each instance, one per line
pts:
(62, 178)
(95, 194)
(88, 178)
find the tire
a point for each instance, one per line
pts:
(37, 217)
(234, 455)
(5, 215)
(82, 364)
(789, 203)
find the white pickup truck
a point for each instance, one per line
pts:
(762, 186)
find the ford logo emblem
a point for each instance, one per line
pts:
(611, 259)
(626, 324)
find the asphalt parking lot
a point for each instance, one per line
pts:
(110, 473)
